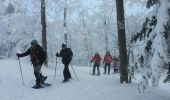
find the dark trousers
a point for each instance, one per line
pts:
(105, 68)
(38, 75)
(94, 67)
(115, 69)
(66, 72)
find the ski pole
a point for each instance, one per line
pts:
(74, 73)
(21, 72)
(55, 69)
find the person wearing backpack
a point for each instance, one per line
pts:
(115, 64)
(66, 54)
(96, 59)
(38, 56)
(107, 61)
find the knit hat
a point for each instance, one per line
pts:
(35, 42)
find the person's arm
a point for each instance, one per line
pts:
(104, 59)
(59, 54)
(24, 54)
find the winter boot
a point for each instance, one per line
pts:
(43, 79)
(65, 80)
(37, 86)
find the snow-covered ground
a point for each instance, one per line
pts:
(103, 87)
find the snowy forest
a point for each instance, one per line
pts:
(137, 32)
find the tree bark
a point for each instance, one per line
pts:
(65, 23)
(43, 24)
(122, 41)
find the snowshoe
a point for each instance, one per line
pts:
(37, 86)
(46, 84)
(41, 86)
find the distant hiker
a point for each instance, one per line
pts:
(96, 59)
(115, 64)
(66, 54)
(107, 61)
(38, 56)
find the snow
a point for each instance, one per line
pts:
(103, 87)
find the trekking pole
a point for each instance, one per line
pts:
(55, 69)
(74, 73)
(21, 72)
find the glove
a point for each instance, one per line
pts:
(91, 61)
(17, 55)
(57, 54)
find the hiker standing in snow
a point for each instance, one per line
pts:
(66, 54)
(115, 64)
(38, 56)
(96, 59)
(107, 61)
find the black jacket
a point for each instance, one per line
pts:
(66, 55)
(38, 55)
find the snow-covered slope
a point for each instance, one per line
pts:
(103, 87)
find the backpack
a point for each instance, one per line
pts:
(39, 51)
(69, 53)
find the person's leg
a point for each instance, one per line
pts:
(37, 70)
(105, 66)
(43, 78)
(98, 69)
(65, 72)
(115, 69)
(68, 75)
(108, 68)
(94, 67)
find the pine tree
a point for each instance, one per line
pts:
(154, 36)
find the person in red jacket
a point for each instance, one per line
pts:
(107, 61)
(96, 59)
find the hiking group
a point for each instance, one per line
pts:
(38, 57)
(108, 61)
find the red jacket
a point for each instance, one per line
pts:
(96, 59)
(108, 58)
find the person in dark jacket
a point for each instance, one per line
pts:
(66, 54)
(96, 59)
(38, 56)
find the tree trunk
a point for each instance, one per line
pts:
(106, 36)
(122, 41)
(65, 24)
(43, 23)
